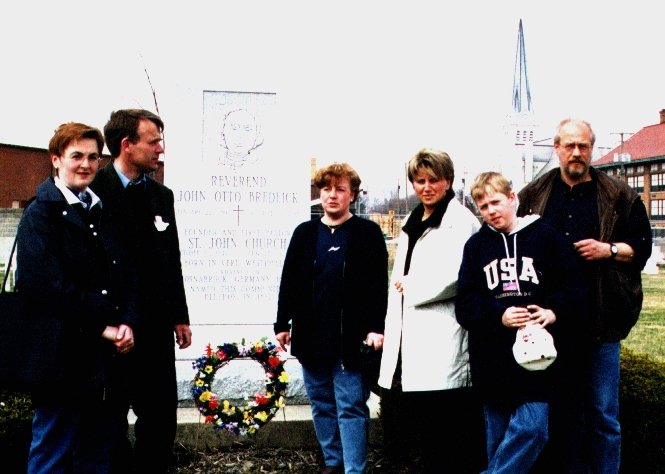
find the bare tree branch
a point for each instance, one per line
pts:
(154, 96)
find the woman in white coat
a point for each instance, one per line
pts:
(425, 364)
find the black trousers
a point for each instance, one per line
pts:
(438, 431)
(149, 388)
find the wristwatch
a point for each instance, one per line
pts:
(614, 250)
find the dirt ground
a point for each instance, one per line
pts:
(245, 459)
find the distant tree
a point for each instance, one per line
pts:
(467, 200)
(388, 203)
(391, 203)
(361, 206)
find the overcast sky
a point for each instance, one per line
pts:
(364, 82)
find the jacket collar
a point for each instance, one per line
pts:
(434, 220)
(47, 192)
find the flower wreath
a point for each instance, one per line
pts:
(240, 420)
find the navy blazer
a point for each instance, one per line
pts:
(155, 250)
(76, 280)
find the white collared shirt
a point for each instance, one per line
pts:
(72, 198)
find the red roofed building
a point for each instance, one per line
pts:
(643, 168)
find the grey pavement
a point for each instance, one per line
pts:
(291, 427)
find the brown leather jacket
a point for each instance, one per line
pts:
(621, 214)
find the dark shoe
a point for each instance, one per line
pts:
(333, 470)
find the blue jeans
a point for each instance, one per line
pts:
(340, 414)
(515, 438)
(602, 408)
(71, 437)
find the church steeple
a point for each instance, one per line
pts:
(520, 78)
(517, 158)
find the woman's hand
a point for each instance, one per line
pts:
(284, 339)
(110, 333)
(374, 340)
(122, 337)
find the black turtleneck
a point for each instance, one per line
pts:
(415, 227)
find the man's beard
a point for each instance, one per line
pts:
(577, 173)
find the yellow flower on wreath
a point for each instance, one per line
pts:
(261, 416)
(205, 396)
(200, 383)
(228, 409)
(280, 403)
(247, 415)
(283, 377)
(208, 369)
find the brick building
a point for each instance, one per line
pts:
(22, 169)
(640, 161)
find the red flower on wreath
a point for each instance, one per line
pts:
(209, 419)
(261, 399)
(208, 350)
(213, 404)
(273, 361)
(220, 354)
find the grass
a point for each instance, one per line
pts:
(648, 335)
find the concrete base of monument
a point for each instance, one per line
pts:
(291, 427)
(241, 379)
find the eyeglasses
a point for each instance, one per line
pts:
(81, 158)
(583, 147)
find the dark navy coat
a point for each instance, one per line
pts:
(76, 281)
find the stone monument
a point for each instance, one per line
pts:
(235, 215)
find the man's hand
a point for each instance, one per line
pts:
(284, 339)
(590, 249)
(183, 335)
(374, 340)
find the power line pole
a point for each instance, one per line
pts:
(622, 157)
(406, 188)
(398, 205)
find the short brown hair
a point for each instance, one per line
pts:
(436, 163)
(125, 124)
(493, 180)
(71, 132)
(333, 172)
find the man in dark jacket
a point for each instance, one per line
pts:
(142, 211)
(606, 223)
